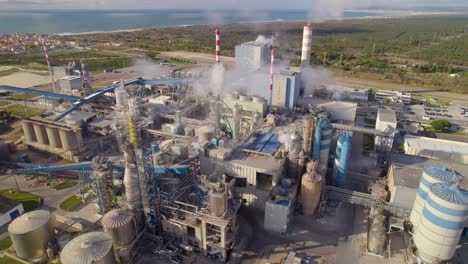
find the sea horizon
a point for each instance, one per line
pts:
(67, 22)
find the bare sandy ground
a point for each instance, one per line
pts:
(196, 56)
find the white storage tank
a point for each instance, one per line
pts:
(89, 248)
(121, 225)
(217, 201)
(31, 233)
(431, 175)
(443, 218)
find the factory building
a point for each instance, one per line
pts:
(253, 55)
(61, 139)
(249, 104)
(405, 173)
(342, 156)
(393, 97)
(435, 148)
(286, 89)
(337, 111)
(9, 210)
(386, 121)
(71, 84)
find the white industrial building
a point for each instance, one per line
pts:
(9, 210)
(393, 96)
(436, 148)
(71, 84)
(386, 121)
(286, 89)
(249, 104)
(340, 111)
(251, 56)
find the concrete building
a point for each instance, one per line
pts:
(436, 148)
(386, 121)
(255, 175)
(393, 97)
(358, 95)
(286, 89)
(251, 56)
(249, 104)
(340, 111)
(279, 209)
(9, 210)
(71, 84)
(404, 175)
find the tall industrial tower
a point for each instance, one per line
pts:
(306, 45)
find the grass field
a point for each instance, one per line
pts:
(70, 203)
(22, 111)
(7, 260)
(4, 103)
(29, 201)
(8, 72)
(5, 243)
(65, 184)
(21, 97)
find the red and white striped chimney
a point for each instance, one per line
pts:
(271, 68)
(46, 53)
(306, 45)
(217, 47)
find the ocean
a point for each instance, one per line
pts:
(89, 21)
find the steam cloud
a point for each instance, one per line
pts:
(321, 10)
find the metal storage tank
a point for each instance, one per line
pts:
(258, 99)
(89, 248)
(322, 140)
(311, 189)
(217, 201)
(121, 225)
(342, 155)
(132, 187)
(54, 137)
(431, 175)
(31, 233)
(441, 225)
(28, 130)
(41, 134)
(121, 97)
(307, 134)
(377, 236)
(68, 141)
(245, 98)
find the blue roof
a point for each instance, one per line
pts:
(266, 143)
(450, 193)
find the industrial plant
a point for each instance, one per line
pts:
(179, 179)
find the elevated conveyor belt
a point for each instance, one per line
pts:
(43, 168)
(39, 92)
(111, 88)
(364, 199)
(364, 130)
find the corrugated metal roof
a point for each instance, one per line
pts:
(87, 248)
(435, 144)
(29, 222)
(266, 143)
(450, 193)
(442, 173)
(117, 218)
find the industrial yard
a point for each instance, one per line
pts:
(228, 160)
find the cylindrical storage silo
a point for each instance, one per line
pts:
(121, 225)
(66, 137)
(245, 98)
(41, 134)
(258, 99)
(28, 130)
(431, 175)
(54, 137)
(217, 201)
(132, 187)
(343, 150)
(31, 233)
(442, 222)
(89, 248)
(322, 140)
(311, 189)
(307, 134)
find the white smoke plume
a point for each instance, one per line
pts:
(149, 69)
(322, 10)
(315, 78)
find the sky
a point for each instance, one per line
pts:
(312, 5)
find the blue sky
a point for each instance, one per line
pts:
(313, 5)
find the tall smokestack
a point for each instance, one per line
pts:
(46, 53)
(271, 72)
(217, 47)
(306, 45)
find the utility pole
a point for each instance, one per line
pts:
(324, 58)
(410, 41)
(373, 49)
